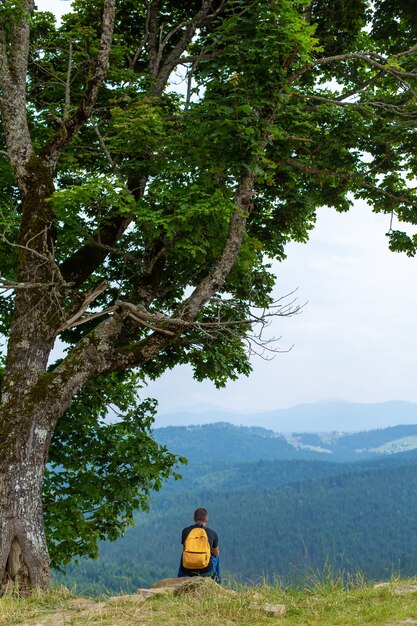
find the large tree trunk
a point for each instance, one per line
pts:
(25, 431)
(24, 561)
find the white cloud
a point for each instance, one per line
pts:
(58, 7)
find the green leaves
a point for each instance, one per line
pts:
(103, 466)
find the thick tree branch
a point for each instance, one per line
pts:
(90, 256)
(135, 355)
(215, 279)
(162, 72)
(71, 126)
(13, 70)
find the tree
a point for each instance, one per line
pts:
(137, 224)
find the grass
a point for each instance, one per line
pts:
(320, 604)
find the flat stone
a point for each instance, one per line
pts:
(191, 584)
(160, 591)
(194, 585)
(183, 584)
(168, 582)
(270, 609)
(399, 590)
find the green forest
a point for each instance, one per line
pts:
(286, 519)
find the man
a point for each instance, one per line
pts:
(200, 555)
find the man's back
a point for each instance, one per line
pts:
(199, 547)
(213, 542)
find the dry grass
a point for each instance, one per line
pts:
(321, 605)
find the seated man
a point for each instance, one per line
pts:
(200, 556)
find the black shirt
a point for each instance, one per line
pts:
(212, 539)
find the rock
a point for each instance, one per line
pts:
(275, 610)
(185, 585)
(168, 582)
(161, 591)
(177, 586)
(399, 590)
(196, 584)
(193, 584)
(381, 585)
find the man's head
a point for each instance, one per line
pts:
(201, 516)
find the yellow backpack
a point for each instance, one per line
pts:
(197, 552)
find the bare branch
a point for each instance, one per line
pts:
(142, 45)
(360, 104)
(370, 58)
(89, 298)
(67, 103)
(110, 159)
(28, 248)
(360, 87)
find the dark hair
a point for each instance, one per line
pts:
(200, 515)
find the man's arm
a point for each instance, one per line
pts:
(214, 548)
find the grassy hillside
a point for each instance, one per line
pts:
(319, 604)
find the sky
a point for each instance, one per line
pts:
(356, 338)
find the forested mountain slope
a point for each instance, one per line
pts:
(275, 519)
(360, 521)
(224, 442)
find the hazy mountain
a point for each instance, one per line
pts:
(316, 417)
(223, 442)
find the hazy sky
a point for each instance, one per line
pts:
(357, 337)
(55, 6)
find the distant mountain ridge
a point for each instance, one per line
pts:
(315, 417)
(224, 442)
